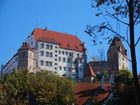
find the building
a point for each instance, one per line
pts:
(117, 55)
(117, 58)
(86, 93)
(57, 52)
(24, 59)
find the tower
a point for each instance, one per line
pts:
(117, 55)
(26, 58)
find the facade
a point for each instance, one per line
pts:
(60, 53)
(117, 55)
(24, 59)
(116, 58)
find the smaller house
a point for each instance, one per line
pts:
(90, 74)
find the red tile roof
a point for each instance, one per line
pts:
(66, 41)
(85, 90)
(26, 46)
(90, 71)
(118, 43)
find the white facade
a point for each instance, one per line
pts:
(51, 57)
(11, 65)
(122, 61)
(31, 64)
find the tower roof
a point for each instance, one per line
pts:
(66, 41)
(25, 46)
(90, 71)
(117, 43)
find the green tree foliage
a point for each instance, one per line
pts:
(43, 88)
(125, 88)
(123, 76)
(104, 73)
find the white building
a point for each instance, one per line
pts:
(60, 53)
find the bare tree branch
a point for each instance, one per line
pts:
(135, 3)
(111, 29)
(127, 2)
(125, 56)
(137, 41)
(136, 18)
(118, 35)
(114, 17)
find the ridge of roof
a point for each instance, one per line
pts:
(63, 39)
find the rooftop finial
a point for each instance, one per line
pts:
(45, 28)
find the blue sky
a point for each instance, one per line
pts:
(19, 17)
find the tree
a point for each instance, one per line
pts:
(126, 13)
(43, 88)
(124, 87)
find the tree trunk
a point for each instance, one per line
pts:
(132, 49)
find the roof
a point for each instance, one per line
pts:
(85, 90)
(100, 65)
(118, 43)
(25, 46)
(8, 62)
(90, 71)
(66, 41)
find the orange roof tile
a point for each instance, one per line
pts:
(85, 90)
(90, 71)
(66, 41)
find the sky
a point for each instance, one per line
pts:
(18, 18)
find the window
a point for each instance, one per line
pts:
(59, 58)
(23, 53)
(47, 63)
(41, 53)
(47, 46)
(69, 69)
(55, 68)
(59, 52)
(80, 60)
(55, 59)
(77, 55)
(60, 67)
(70, 54)
(31, 42)
(66, 53)
(50, 64)
(63, 52)
(51, 54)
(30, 54)
(56, 51)
(55, 55)
(64, 59)
(55, 63)
(47, 54)
(16, 59)
(64, 68)
(41, 62)
(42, 45)
(51, 47)
(68, 60)
(55, 46)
